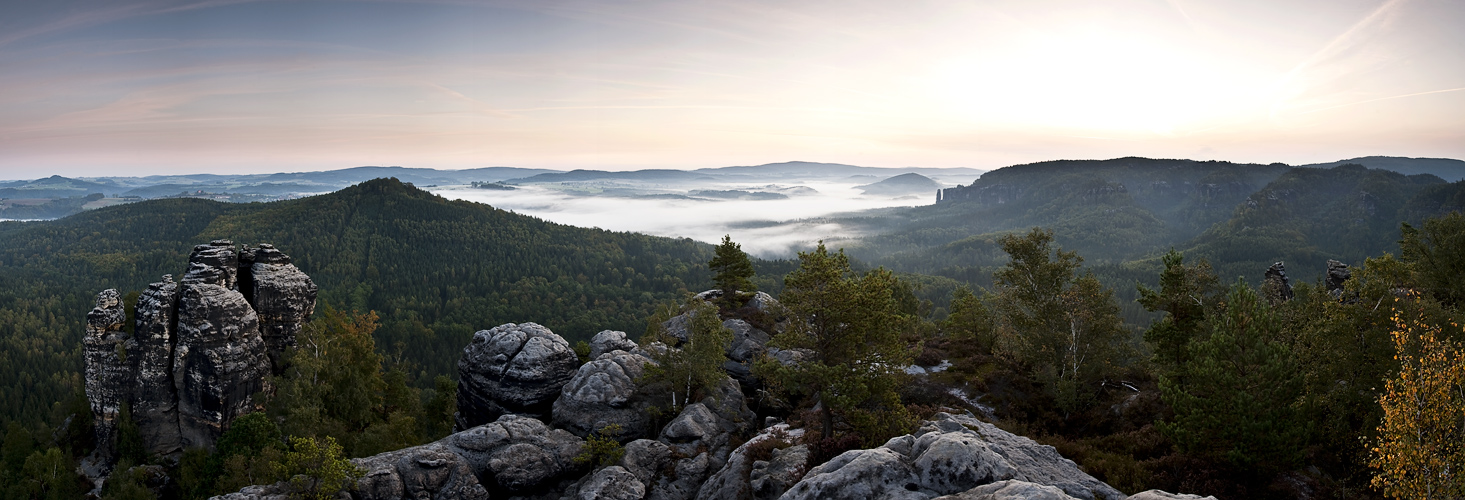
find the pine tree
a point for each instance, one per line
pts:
(852, 324)
(733, 271)
(1185, 294)
(1235, 400)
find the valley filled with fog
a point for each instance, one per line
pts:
(786, 218)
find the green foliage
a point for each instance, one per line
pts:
(438, 412)
(334, 385)
(601, 447)
(853, 325)
(127, 483)
(970, 321)
(732, 271)
(50, 475)
(1064, 328)
(129, 438)
(1185, 294)
(1437, 256)
(437, 270)
(1237, 399)
(696, 365)
(316, 468)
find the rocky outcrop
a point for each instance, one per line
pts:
(1161, 495)
(1010, 490)
(1338, 273)
(155, 403)
(512, 368)
(604, 392)
(1275, 285)
(610, 340)
(282, 296)
(744, 477)
(514, 455)
(749, 340)
(110, 354)
(197, 354)
(948, 455)
(612, 483)
(220, 359)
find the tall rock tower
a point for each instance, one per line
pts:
(200, 347)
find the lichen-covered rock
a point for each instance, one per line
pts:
(644, 458)
(196, 354)
(110, 356)
(740, 477)
(155, 402)
(861, 475)
(518, 453)
(948, 455)
(612, 483)
(220, 360)
(282, 296)
(1161, 495)
(602, 393)
(512, 368)
(684, 481)
(1010, 490)
(770, 479)
(610, 340)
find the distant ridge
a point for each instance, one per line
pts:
(1450, 170)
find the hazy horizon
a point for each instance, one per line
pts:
(149, 87)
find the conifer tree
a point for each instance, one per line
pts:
(852, 324)
(1185, 294)
(1235, 400)
(733, 271)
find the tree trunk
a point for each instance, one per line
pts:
(828, 418)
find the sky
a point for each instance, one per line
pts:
(107, 87)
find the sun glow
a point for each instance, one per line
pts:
(1098, 82)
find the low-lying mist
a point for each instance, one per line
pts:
(767, 228)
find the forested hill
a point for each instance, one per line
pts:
(436, 270)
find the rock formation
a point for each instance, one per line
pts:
(946, 456)
(512, 369)
(1275, 286)
(753, 325)
(1338, 273)
(196, 354)
(604, 392)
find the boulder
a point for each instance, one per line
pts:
(512, 368)
(1010, 489)
(612, 483)
(644, 458)
(684, 481)
(1161, 495)
(603, 392)
(282, 296)
(610, 340)
(770, 479)
(743, 477)
(948, 455)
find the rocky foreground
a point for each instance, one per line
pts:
(201, 347)
(695, 455)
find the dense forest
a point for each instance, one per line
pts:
(1151, 369)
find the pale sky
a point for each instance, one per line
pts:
(105, 87)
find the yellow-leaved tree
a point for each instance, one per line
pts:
(1420, 453)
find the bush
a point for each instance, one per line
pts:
(601, 449)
